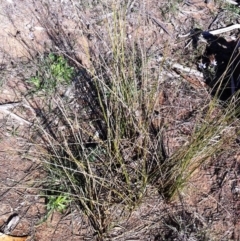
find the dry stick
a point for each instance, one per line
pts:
(223, 30)
(215, 32)
(5, 107)
(193, 81)
(187, 70)
(219, 15)
(150, 15)
(232, 2)
(182, 68)
(178, 69)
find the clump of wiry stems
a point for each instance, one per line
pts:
(109, 158)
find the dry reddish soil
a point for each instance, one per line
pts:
(211, 200)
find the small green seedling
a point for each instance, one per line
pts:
(53, 71)
(36, 81)
(60, 69)
(57, 203)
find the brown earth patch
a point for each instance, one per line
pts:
(28, 28)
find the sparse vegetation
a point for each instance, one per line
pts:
(110, 132)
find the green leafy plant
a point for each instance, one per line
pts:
(234, 9)
(60, 69)
(57, 203)
(53, 70)
(36, 81)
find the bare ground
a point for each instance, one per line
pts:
(211, 201)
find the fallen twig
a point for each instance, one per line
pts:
(150, 15)
(191, 75)
(223, 30)
(232, 2)
(214, 32)
(5, 108)
(193, 81)
(185, 69)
